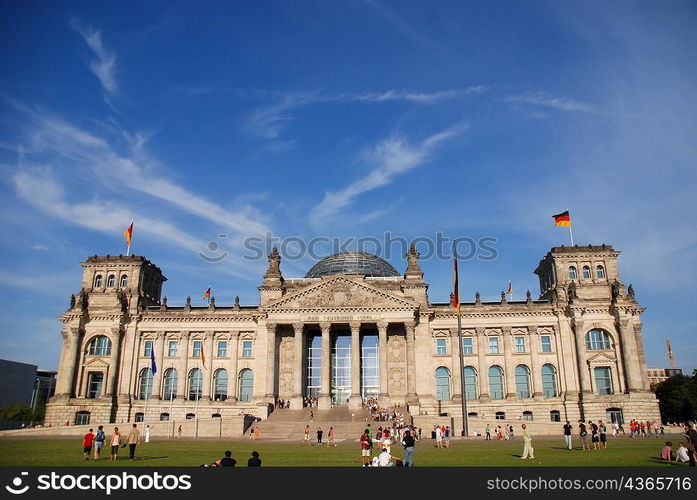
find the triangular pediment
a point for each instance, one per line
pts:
(341, 292)
(602, 357)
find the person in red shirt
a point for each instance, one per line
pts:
(87, 442)
(365, 448)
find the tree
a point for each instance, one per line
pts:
(677, 398)
(17, 413)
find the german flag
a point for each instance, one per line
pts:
(207, 295)
(128, 234)
(456, 293)
(562, 219)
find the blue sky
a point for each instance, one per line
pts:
(345, 119)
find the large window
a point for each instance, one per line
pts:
(196, 351)
(170, 384)
(494, 345)
(246, 348)
(341, 369)
(95, 381)
(586, 272)
(145, 384)
(172, 346)
(522, 381)
(546, 343)
(246, 385)
(222, 348)
(599, 272)
(467, 345)
(442, 383)
(99, 346)
(98, 281)
(82, 418)
(147, 348)
(598, 340)
(370, 366)
(496, 382)
(441, 348)
(111, 281)
(520, 344)
(195, 384)
(470, 375)
(572, 273)
(220, 383)
(549, 381)
(603, 380)
(314, 365)
(124, 281)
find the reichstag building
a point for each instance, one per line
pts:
(354, 328)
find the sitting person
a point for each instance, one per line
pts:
(385, 459)
(667, 451)
(254, 461)
(682, 455)
(226, 461)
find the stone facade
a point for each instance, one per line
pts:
(576, 352)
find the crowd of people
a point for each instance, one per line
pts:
(93, 442)
(383, 441)
(645, 429)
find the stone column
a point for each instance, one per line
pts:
(66, 375)
(112, 387)
(410, 330)
(355, 401)
(325, 401)
(382, 352)
(296, 400)
(535, 368)
(583, 376)
(509, 364)
(158, 345)
(455, 345)
(630, 356)
(645, 383)
(270, 394)
(183, 355)
(207, 347)
(234, 352)
(481, 360)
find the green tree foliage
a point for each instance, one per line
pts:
(22, 413)
(677, 398)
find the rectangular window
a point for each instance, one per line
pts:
(198, 345)
(546, 342)
(94, 384)
(246, 348)
(467, 346)
(147, 348)
(520, 344)
(441, 346)
(222, 348)
(172, 348)
(603, 381)
(494, 345)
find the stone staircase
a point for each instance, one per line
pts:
(287, 424)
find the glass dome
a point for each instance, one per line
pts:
(352, 262)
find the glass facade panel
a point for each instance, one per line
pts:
(314, 366)
(496, 382)
(522, 381)
(341, 369)
(246, 385)
(442, 384)
(603, 381)
(470, 375)
(370, 366)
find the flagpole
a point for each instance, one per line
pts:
(463, 394)
(571, 233)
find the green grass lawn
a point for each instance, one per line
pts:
(548, 452)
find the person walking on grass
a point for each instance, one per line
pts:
(366, 443)
(488, 433)
(87, 442)
(115, 442)
(567, 436)
(99, 439)
(583, 433)
(179, 432)
(527, 444)
(133, 440)
(330, 441)
(320, 433)
(306, 436)
(408, 442)
(602, 434)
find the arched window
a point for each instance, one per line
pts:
(572, 272)
(111, 281)
(246, 385)
(586, 272)
(522, 381)
(124, 281)
(98, 281)
(220, 385)
(171, 380)
(598, 340)
(195, 384)
(99, 346)
(442, 383)
(470, 375)
(549, 381)
(495, 382)
(599, 272)
(145, 384)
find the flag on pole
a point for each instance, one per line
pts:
(562, 219)
(203, 358)
(456, 292)
(153, 365)
(128, 234)
(510, 288)
(207, 295)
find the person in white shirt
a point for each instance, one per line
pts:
(385, 459)
(439, 437)
(682, 453)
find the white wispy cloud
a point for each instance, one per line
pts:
(104, 66)
(390, 157)
(550, 101)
